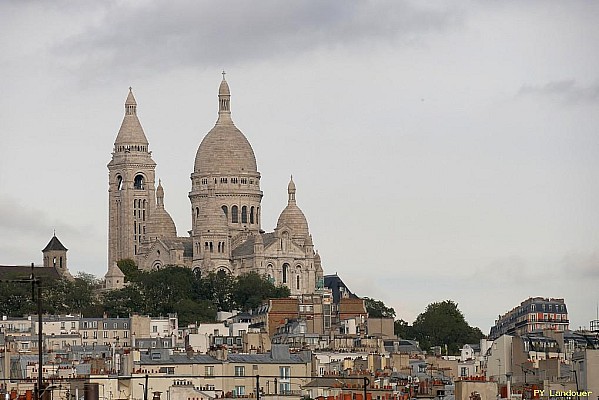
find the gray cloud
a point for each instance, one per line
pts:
(567, 91)
(161, 35)
(582, 265)
(18, 219)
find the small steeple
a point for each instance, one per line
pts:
(131, 136)
(130, 103)
(291, 191)
(224, 98)
(160, 194)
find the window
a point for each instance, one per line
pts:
(233, 180)
(239, 370)
(114, 326)
(285, 372)
(224, 180)
(156, 356)
(167, 370)
(251, 215)
(138, 183)
(62, 325)
(285, 271)
(239, 390)
(119, 182)
(463, 371)
(297, 282)
(209, 370)
(105, 335)
(105, 325)
(284, 384)
(73, 325)
(125, 334)
(234, 214)
(226, 211)
(244, 215)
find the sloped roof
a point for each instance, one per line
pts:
(24, 272)
(247, 248)
(335, 283)
(54, 244)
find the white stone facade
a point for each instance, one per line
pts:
(225, 196)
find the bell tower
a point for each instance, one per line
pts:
(131, 190)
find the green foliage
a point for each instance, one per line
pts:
(378, 309)
(218, 289)
(443, 324)
(171, 289)
(403, 330)
(15, 299)
(252, 289)
(129, 268)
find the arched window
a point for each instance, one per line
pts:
(252, 215)
(226, 211)
(138, 183)
(297, 282)
(234, 216)
(197, 212)
(244, 215)
(119, 182)
(285, 272)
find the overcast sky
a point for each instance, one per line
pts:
(441, 149)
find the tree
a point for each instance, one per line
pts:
(402, 329)
(163, 288)
(378, 309)
(218, 289)
(129, 268)
(252, 289)
(443, 324)
(190, 311)
(124, 302)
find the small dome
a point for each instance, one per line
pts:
(295, 219)
(292, 216)
(161, 224)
